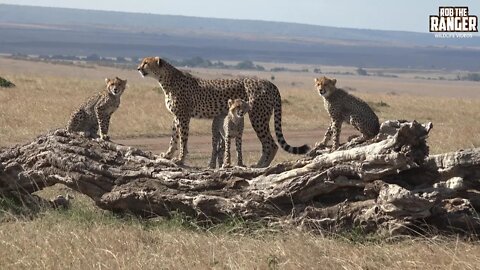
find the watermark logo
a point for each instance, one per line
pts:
(453, 22)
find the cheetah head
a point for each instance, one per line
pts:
(325, 86)
(151, 66)
(238, 107)
(116, 86)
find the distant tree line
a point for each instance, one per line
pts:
(474, 77)
(199, 62)
(469, 77)
(204, 63)
(362, 72)
(194, 62)
(92, 57)
(280, 69)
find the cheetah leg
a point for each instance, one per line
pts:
(173, 141)
(84, 124)
(360, 126)
(183, 131)
(358, 139)
(367, 134)
(213, 159)
(215, 143)
(353, 138)
(238, 145)
(271, 153)
(261, 126)
(226, 158)
(221, 151)
(337, 127)
(76, 122)
(326, 137)
(92, 130)
(103, 124)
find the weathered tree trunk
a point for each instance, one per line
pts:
(389, 184)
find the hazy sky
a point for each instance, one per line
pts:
(408, 15)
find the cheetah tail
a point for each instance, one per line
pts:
(277, 110)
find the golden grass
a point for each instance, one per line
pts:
(87, 238)
(39, 104)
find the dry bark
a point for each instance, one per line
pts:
(388, 184)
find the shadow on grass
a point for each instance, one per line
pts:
(21, 207)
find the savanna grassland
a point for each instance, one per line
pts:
(85, 237)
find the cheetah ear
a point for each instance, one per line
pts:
(107, 80)
(316, 80)
(334, 81)
(230, 103)
(158, 60)
(122, 81)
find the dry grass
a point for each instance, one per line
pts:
(39, 104)
(84, 238)
(87, 238)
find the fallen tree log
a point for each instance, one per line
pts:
(389, 184)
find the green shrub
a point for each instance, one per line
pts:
(6, 83)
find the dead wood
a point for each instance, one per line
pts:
(389, 184)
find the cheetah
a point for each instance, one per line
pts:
(95, 113)
(343, 107)
(187, 96)
(226, 127)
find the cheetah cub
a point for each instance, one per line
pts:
(224, 128)
(343, 107)
(95, 113)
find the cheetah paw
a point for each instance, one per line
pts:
(226, 165)
(177, 161)
(166, 155)
(333, 149)
(319, 145)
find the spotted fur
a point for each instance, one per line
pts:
(95, 113)
(226, 127)
(187, 96)
(343, 107)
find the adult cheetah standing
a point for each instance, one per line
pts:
(187, 96)
(343, 107)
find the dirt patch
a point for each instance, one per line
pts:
(202, 144)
